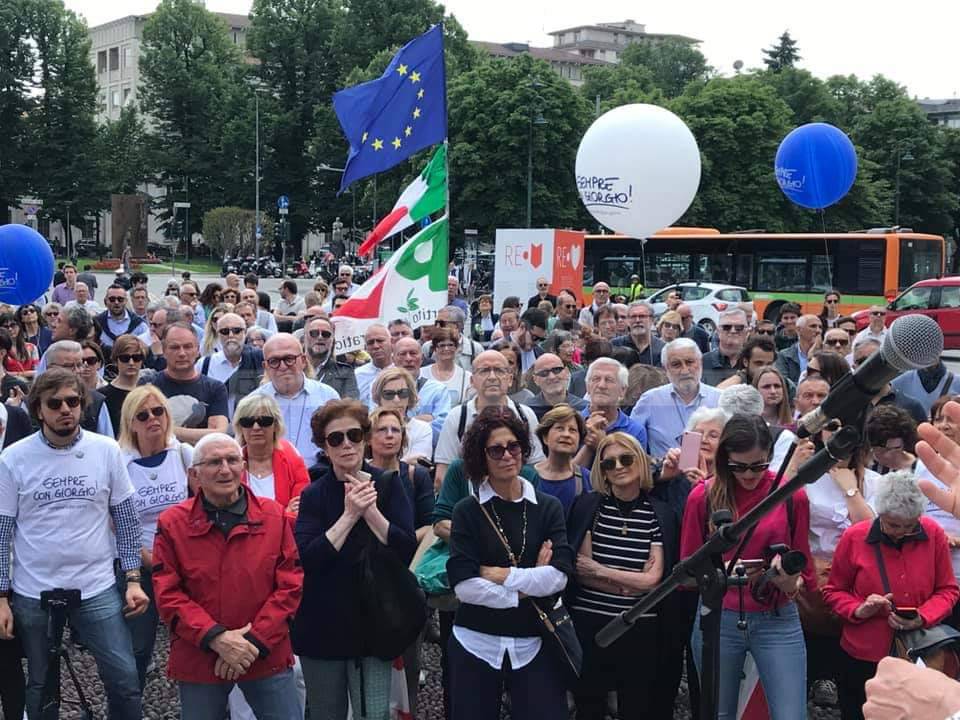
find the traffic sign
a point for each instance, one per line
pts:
(181, 205)
(259, 232)
(283, 211)
(283, 202)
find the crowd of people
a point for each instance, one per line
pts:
(208, 461)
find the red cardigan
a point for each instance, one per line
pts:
(290, 475)
(920, 573)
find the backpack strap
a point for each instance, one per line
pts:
(205, 366)
(462, 425)
(882, 566)
(945, 390)
(578, 479)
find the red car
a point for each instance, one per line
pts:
(938, 298)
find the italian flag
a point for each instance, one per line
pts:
(421, 198)
(411, 286)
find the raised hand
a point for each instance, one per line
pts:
(941, 456)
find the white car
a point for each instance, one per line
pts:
(707, 300)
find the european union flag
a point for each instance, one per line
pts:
(389, 119)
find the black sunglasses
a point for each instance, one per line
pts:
(116, 299)
(135, 357)
(550, 371)
(765, 332)
(335, 439)
(403, 394)
(608, 464)
(746, 467)
(226, 332)
(837, 342)
(496, 452)
(158, 411)
(325, 334)
(56, 403)
(91, 361)
(263, 421)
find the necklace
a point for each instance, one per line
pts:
(630, 507)
(523, 545)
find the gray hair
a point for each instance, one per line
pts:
(623, 375)
(643, 304)
(456, 314)
(170, 302)
(733, 311)
(556, 339)
(707, 415)
(741, 400)
(618, 306)
(898, 494)
(62, 346)
(152, 307)
(52, 306)
(678, 344)
(212, 439)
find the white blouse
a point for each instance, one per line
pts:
(828, 511)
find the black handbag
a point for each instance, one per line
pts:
(556, 625)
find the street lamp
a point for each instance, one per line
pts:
(535, 119)
(901, 156)
(256, 212)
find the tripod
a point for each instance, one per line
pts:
(57, 603)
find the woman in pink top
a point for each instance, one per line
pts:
(773, 637)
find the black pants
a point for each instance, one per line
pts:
(536, 690)
(851, 686)
(676, 615)
(627, 666)
(12, 681)
(445, 618)
(825, 657)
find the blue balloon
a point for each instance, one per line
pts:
(816, 165)
(26, 264)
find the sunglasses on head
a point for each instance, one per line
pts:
(402, 393)
(747, 467)
(158, 411)
(263, 421)
(608, 464)
(135, 357)
(549, 371)
(56, 403)
(496, 452)
(325, 334)
(226, 332)
(335, 439)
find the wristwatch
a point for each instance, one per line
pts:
(852, 492)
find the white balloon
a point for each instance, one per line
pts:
(638, 169)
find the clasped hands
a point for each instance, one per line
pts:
(235, 654)
(360, 497)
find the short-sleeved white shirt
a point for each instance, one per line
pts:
(61, 501)
(448, 444)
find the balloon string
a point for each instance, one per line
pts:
(826, 249)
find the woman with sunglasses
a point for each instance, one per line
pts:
(891, 573)
(624, 536)
(508, 556)
(445, 370)
(396, 389)
(274, 467)
(23, 358)
(773, 637)
(339, 515)
(157, 464)
(32, 328)
(211, 339)
(126, 356)
(830, 314)
(92, 365)
(670, 326)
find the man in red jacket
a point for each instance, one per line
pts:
(228, 581)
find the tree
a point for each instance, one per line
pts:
(492, 108)
(782, 55)
(616, 85)
(190, 70)
(673, 64)
(231, 230)
(123, 152)
(809, 98)
(15, 75)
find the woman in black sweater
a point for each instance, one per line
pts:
(496, 633)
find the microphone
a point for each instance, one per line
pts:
(911, 342)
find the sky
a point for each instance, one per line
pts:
(912, 43)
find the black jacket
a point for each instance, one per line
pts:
(248, 374)
(339, 376)
(18, 425)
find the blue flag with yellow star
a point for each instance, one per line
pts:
(403, 111)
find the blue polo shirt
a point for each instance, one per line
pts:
(624, 423)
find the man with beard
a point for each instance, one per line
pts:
(640, 321)
(67, 503)
(664, 411)
(117, 321)
(68, 355)
(235, 364)
(320, 339)
(378, 347)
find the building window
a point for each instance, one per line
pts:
(126, 96)
(114, 99)
(114, 58)
(127, 56)
(576, 36)
(102, 101)
(102, 61)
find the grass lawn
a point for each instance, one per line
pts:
(202, 265)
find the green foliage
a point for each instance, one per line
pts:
(231, 229)
(123, 152)
(783, 54)
(16, 66)
(673, 64)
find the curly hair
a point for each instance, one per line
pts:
(334, 410)
(473, 450)
(887, 422)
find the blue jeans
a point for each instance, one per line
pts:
(270, 698)
(99, 623)
(776, 644)
(143, 629)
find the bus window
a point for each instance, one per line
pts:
(667, 268)
(716, 268)
(917, 298)
(821, 274)
(858, 266)
(744, 273)
(919, 259)
(783, 274)
(616, 272)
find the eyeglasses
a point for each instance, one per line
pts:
(402, 393)
(68, 366)
(325, 334)
(30, 310)
(608, 464)
(446, 346)
(91, 361)
(56, 403)
(158, 411)
(771, 333)
(831, 302)
(226, 332)
(851, 333)
(542, 286)
(335, 439)
(288, 360)
(669, 326)
(488, 371)
(51, 313)
(568, 306)
(9, 325)
(600, 291)
(116, 299)
(546, 372)
(735, 329)
(496, 452)
(877, 314)
(837, 342)
(444, 323)
(232, 461)
(263, 421)
(736, 467)
(126, 358)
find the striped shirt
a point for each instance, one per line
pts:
(622, 539)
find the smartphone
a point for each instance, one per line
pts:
(362, 476)
(907, 613)
(425, 463)
(690, 450)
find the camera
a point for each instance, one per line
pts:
(791, 562)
